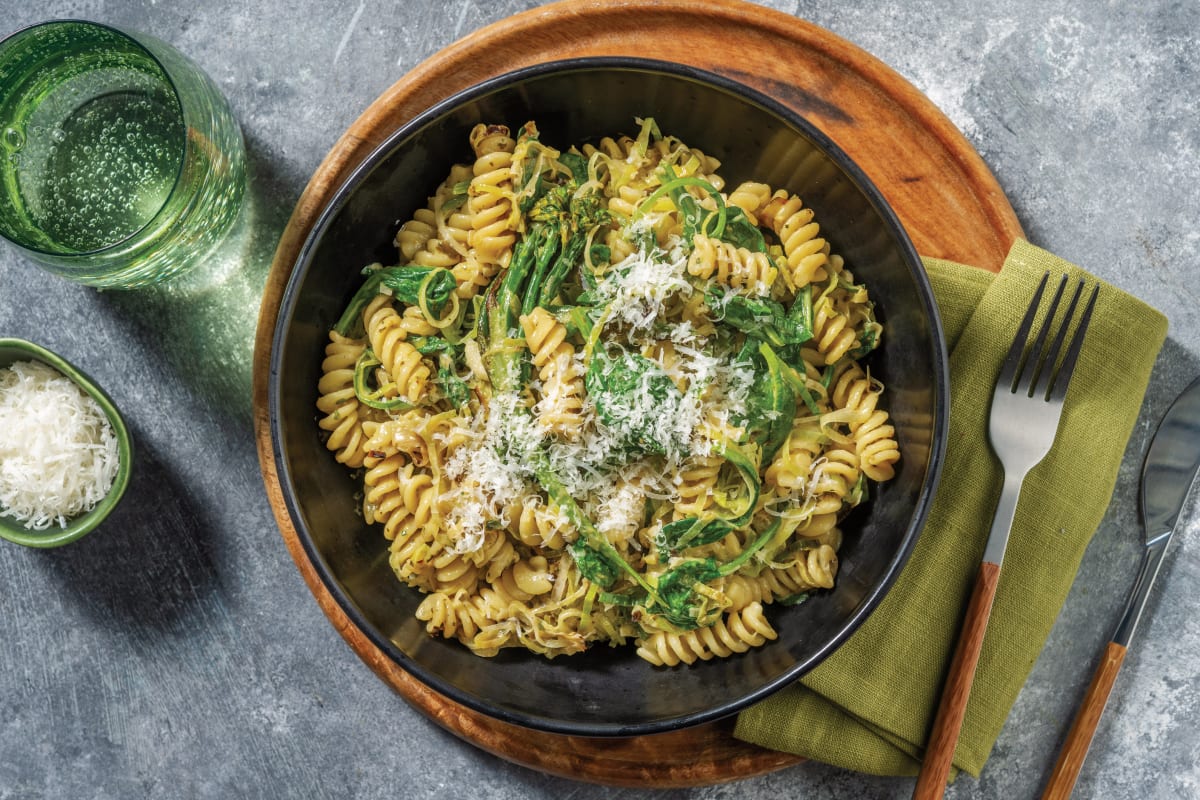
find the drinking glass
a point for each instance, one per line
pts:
(120, 162)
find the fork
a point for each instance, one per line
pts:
(1026, 407)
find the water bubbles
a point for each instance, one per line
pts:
(13, 139)
(58, 135)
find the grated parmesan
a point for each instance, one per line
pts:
(58, 451)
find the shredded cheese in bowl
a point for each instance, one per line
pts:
(59, 455)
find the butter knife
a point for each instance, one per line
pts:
(1167, 476)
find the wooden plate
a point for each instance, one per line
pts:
(943, 193)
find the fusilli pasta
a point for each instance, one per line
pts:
(600, 399)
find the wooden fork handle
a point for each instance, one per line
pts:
(939, 752)
(1079, 738)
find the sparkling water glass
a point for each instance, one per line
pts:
(120, 162)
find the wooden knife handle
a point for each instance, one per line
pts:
(939, 752)
(1079, 738)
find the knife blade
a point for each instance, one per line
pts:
(1168, 473)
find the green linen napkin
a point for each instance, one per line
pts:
(869, 706)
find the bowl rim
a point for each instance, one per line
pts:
(85, 523)
(874, 196)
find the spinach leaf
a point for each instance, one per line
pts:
(680, 597)
(431, 345)
(633, 395)
(577, 164)
(740, 232)
(408, 284)
(760, 317)
(868, 339)
(692, 532)
(800, 315)
(595, 565)
(679, 601)
(454, 388)
(771, 403)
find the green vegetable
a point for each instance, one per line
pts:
(682, 593)
(679, 592)
(548, 234)
(597, 559)
(583, 214)
(736, 495)
(632, 395)
(380, 397)
(412, 285)
(432, 345)
(759, 317)
(458, 196)
(595, 564)
(868, 339)
(454, 388)
(575, 318)
(740, 232)
(506, 358)
(796, 379)
(695, 219)
(800, 315)
(771, 403)
(578, 166)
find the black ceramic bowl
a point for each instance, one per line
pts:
(608, 692)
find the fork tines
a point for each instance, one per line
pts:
(1033, 370)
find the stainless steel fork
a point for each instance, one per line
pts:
(1026, 407)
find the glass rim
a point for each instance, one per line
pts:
(131, 37)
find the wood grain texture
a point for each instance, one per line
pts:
(943, 193)
(939, 751)
(1079, 738)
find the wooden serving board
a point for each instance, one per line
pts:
(944, 194)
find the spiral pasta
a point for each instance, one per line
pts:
(736, 633)
(436, 235)
(561, 408)
(833, 333)
(799, 233)
(387, 332)
(536, 525)
(601, 400)
(750, 197)
(416, 233)
(732, 266)
(874, 436)
(493, 228)
(812, 568)
(696, 486)
(338, 401)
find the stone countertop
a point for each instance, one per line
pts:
(176, 652)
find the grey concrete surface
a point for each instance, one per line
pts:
(176, 651)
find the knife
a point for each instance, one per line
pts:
(1167, 476)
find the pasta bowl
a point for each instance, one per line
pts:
(606, 691)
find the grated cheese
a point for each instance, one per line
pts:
(58, 452)
(491, 470)
(638, 287)
(485, 474)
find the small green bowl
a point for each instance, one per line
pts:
(14, 350)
